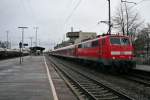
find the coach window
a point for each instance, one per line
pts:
(88, 45)
(84, 45)
(79, 46)
(95, 43)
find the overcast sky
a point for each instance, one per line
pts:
(55, 17)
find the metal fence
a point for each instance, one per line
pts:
(145, 61)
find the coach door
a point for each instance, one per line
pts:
(76, 50)
(100, 48)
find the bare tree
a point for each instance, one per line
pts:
(126, 20)
(142, 43)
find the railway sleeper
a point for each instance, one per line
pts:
(102, 92)
(106, 95)
(90, 88)
(91, 85)
(109, 98)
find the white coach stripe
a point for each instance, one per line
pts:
(50, 81)
(115, 52)
(128, 53)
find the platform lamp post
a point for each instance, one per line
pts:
(22, 44)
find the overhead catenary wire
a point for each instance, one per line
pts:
(75, 7)
(136, 4)
(71, 13)
(141, 1)
(32, 12)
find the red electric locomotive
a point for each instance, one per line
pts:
(113, 52)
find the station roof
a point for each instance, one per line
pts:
(37, 48)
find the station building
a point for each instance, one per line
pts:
(76, 37)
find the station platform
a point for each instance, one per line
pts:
(143, 67)
(26, 81)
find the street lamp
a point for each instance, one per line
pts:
(22, 28)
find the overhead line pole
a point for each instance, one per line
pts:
(7, 38)
(31, 40)
(127, 14)
(109, 12)
(31, 45)
(36, 28)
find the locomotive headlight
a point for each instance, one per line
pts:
(113, 58)
(130, 57)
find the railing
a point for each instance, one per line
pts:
(145, 61)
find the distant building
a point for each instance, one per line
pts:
(77, 37)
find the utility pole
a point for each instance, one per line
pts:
(109, 14)
(36, 29)
(31, 40)
(71, 29)
(22, 28)
(31, 46)
(7, 32)
(39, 42)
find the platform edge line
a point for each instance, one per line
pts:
(50, 81)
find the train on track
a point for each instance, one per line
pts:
(110, 52)
(10, 53)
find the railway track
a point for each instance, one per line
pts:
(139, 77)
(90, 88)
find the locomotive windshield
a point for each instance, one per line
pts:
(125, 41)
(119, 41)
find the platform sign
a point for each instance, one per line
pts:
(25, 44)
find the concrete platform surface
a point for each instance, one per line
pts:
(143, 67)
(28, 81)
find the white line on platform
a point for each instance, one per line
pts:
(50, 81)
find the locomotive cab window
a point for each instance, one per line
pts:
(125, 41)
(115, 40)
(119, 41)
